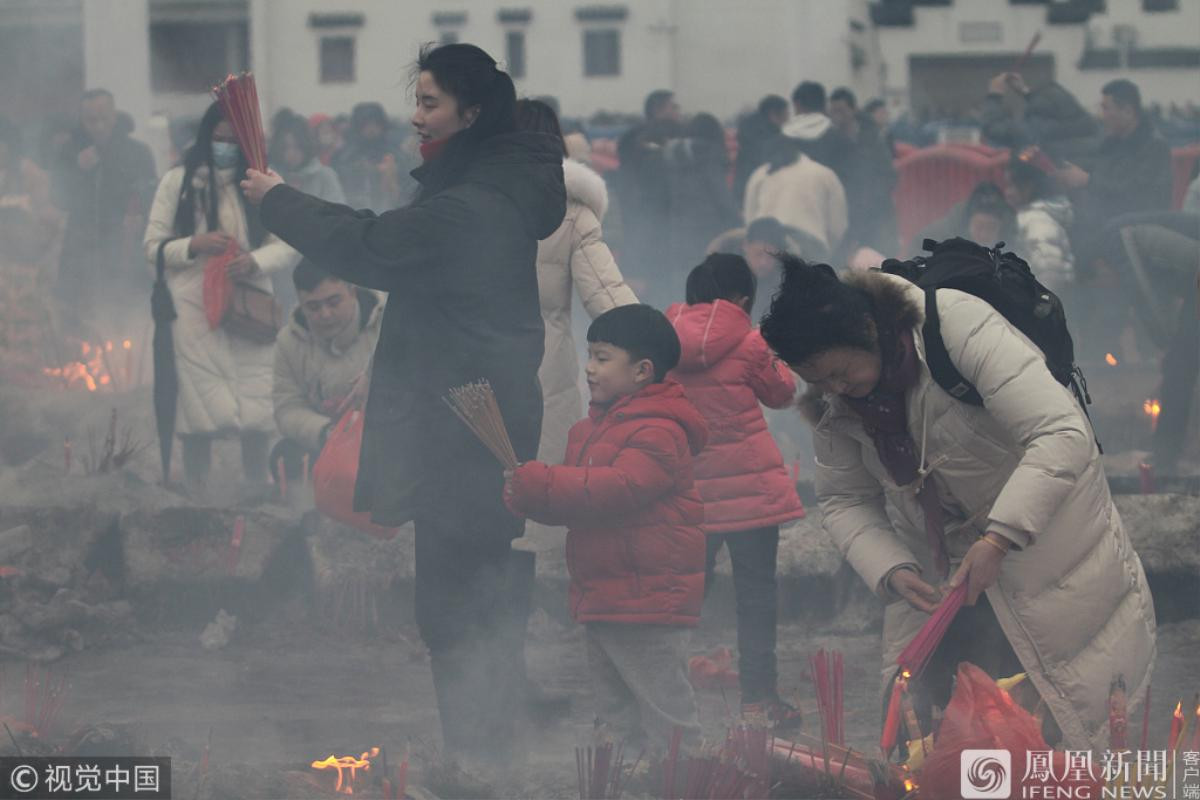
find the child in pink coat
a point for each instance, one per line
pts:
(727, 371)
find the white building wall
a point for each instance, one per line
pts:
(937, 32)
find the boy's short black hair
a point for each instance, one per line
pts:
(643, 332)
(308, 276)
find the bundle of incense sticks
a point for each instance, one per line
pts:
(475, 404)
(601, 771)
(918, 652)
(827, 671)
(238, 97)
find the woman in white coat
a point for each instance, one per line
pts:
(224, 381)
(916, 487)
(573, 256)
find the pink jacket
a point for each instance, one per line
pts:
(727, 370)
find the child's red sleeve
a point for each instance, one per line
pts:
(643, 471)
(773, 383)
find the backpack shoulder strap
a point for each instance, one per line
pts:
(940, 366)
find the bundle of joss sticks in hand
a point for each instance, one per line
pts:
(238, 97)
(475, 404)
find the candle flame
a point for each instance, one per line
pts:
(1110, 359)
(906, 674)
(128, 345)
(1179, 709)
(909, 784)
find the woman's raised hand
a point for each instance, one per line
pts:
(257, 184)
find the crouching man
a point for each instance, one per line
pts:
(321, 360)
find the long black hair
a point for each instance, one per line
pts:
(814, 312)
(472, 78)
(200, 155)
(721, 276)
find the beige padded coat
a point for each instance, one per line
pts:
(574, 256)
(224, 380)
(1073, 601)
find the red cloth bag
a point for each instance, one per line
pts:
(982, 716)
(218, 286)
(335, 472)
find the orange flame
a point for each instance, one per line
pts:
(341, 763)
(1152, 408)
(92, 370)
(1110, 359)
(909, 785)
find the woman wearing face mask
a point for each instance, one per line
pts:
(224, 381)
(917, 487)
(460, 266)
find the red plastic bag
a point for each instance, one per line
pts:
(218, 286)
(335, 472)
(982, 716)
(713, 671)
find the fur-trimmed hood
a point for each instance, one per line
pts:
(584, 185)
(897, 305)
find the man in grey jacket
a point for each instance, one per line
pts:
(321, 361)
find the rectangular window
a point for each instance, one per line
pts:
(337, 59)
(601, 52)
(514, 46)
(193, 56)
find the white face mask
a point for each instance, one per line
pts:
(225, 154)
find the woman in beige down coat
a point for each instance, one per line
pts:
(1027, 520)
(574, 256)
(224, 380)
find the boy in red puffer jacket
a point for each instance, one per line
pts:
(727, 370)
(635, 547)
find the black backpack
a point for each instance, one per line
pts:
(1007, 284)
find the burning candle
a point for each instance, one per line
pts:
(282, 478)
(891, 722)
(1196, 733)
(128, 345)
(1146, 474)
(1176, 727)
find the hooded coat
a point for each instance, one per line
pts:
(574, 255)
(727, 370)
(224, 380)
(635, 547)
(460, 267)
(1071, 597)
(313, 377)
(803, 194)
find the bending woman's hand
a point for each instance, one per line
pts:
(922, 596)
(257, 184)
(981, 566)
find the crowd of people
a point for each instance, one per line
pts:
(409, 265)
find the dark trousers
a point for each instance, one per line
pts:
(467, 617)
(753, 556)
(290, 454)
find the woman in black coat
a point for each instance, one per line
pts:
(459, 265)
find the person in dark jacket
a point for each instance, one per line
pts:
(1132, 170)
(810, 131)
(460, 266)
(869, 177)
(642, 190)
(756, 134)
(700, 202)
(106, 180)
(1016, 117)
(373, 164)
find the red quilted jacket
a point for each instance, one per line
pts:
(635, 547)
(727, 370)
